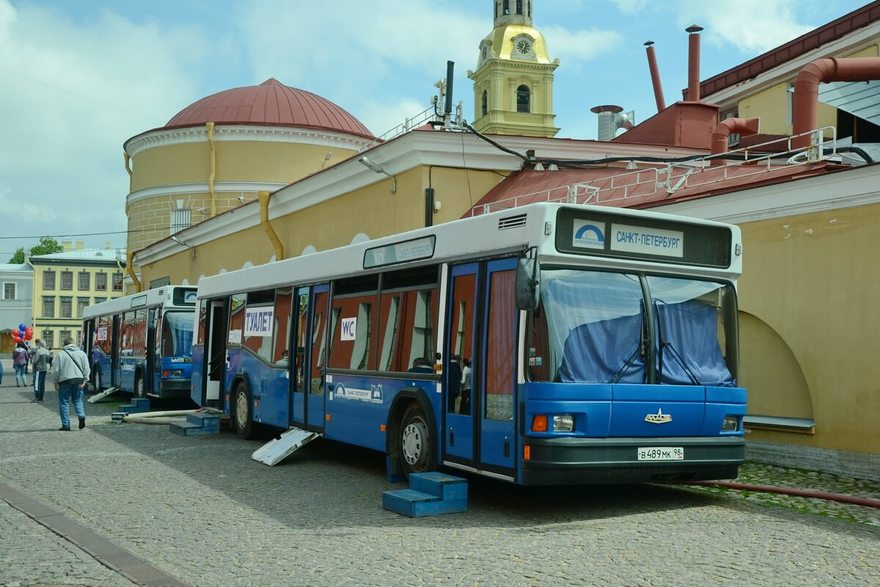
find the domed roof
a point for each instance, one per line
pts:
(270, 103)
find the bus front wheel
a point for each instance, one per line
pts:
(241, 412)
(416, 442)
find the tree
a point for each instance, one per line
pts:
(47, 246)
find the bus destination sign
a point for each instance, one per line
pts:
(623, 236)
(412, 250)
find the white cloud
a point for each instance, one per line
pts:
(630, 7)
(752, 26)
(575, 47)
(78, 91)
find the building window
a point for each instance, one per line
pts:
(162, 281)
(67, 280)
(117, 282)
(48, 280)
(9, 291)
(485, 105)
(85, 281)
(48, 306)
(506, 7)
(523, 98)
(64, 334)
(81, 304)
(101, 281)
(66, 307)
(98, 300)
(519, 7)
(180, 218)
(48, 337)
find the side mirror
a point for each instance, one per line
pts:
(528, 284)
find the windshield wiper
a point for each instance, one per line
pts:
(679, 359)
(627, 364)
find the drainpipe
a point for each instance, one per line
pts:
(264, 222)
(129, 266)
(693, 93)
(655, 76)
(806, 89)
(127, 162)
(743, 126)
(213, 173)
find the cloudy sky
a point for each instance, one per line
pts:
(79, 77)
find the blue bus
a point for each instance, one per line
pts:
(545, 344)
(142, 343)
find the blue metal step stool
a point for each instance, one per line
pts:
(429, 494)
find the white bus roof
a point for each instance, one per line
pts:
(509, 230)
(151, 297)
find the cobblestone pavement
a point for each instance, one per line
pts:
(199, 511)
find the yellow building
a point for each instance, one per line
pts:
(65, 283)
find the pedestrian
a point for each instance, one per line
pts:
(71, 367)
(465, 406)
(19, 363)
(42, 361)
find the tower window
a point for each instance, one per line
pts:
(519, 7)
(485, 105)
(506, 9)
(523, 99)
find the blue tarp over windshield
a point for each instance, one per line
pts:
(689, 334)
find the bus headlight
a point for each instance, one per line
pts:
(730, 424)
(563, 423)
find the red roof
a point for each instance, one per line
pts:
(617, 186)
(270, 103)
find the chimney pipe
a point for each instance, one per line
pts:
(693, 93)
(743, 126)
(806, 89)
(655, 76)
(607, 121)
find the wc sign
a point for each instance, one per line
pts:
(349, 328)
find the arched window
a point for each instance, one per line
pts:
(523, 99)
(485, 105)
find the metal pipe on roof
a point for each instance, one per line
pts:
(693, 92)
(805, 102)
(743, 126)
(655, 76)
(267, 226)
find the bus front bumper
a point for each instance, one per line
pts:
(580, 461)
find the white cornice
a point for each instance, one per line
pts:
(184, 189)
(460, 150)
(859, 186)
(242, 133)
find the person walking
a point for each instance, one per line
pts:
(71, 367)
(41, 361)
(19, 363)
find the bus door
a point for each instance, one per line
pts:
(481, 338)
(311, 343)
(115, 344)
(153, 371)
(215, 352)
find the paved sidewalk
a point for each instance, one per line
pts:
(123, 503)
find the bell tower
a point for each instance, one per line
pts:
(513, 82)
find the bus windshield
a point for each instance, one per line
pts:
(592, 327)
(177, 334)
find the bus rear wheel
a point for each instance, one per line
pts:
(241, 412)
(416, 442)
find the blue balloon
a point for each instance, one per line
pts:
(22, 326)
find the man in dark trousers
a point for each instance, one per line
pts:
(71, 373)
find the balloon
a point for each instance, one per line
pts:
(29, 331)
(28, 335)
(22, 326)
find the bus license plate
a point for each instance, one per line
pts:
(661, 453)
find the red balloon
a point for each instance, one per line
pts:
(28, 335)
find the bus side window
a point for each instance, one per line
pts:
(318, 341)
